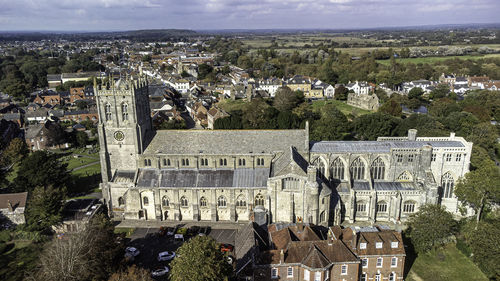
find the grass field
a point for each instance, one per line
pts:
(19, 260)
(230, 105)
(436, 59)
(447, 264)
(342, 106)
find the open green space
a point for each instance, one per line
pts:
(230, 105)
(437, 59)
(342, 106)
(446, 264)
(20, 258)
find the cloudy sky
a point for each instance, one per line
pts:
(88, 15)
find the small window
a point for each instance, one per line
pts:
(241, 162)
(221, 202)
(458, 158)
(145, 201)
(378, 245)
(185, 162)
(379, 262)
(364, 277)
(362, 245)
(260, 161)
(410, 158)
(433, 157)
(343, 270)
(378, 277)
(394, 244)
(289, 272)
(399, 158)
(392, 276)
(184, 202)
(364, 262)
(307, 275)
(121, 201)
(165, 202)
(448, 157)
(223, 162)
(203, 202)
(147, 162)
(204, 162)
(317, 276)
(381, 207)
(274, 273)
(394, 262)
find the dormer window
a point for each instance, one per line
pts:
(394, 244)
(378, 245)
(362, 245)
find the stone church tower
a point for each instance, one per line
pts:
(125, 126)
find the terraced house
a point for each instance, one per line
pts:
(264, 175)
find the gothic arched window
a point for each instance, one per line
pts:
(107, 110)
(322, 217)
(121, 201)
(145, 201)
(321, 167)
(184, 202)
(240, 201)
(241, 162)
(357, 169)
(259, 200)
(447, 183)
(124, 111)
(381, 207)
(165, 202)
(221, 202)
(337, 170)
(203, 202)
(378, 169)
(408, 207)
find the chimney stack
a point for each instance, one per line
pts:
(9, 205)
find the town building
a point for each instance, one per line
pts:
(264, 176)
(12, 207)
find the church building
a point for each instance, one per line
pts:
(264, 176)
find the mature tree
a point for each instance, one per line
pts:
(287, 120)
(391, 107)
(441, 91)
(90, 254)
(483, 241)
(81, 104)
(15, 151)
(341, 93)
(429, 227)
(203, 70)
(444, 107)
(201, 260)
(484, 135)
(286, 99)
(133, 273)
(254, 114)
(480, 188)
(81, 139)
(55, 133)
(371, 126)
(333, 124)
(44, 207)
(415, 93)
(40, 168)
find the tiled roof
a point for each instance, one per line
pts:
(16, 199)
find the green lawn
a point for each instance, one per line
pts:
(437, 59)
(230, 105)
(443, 265)
(19, 260)
(78, 162)
(90, 170)
(342, 106)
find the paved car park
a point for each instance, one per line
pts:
(149, 242)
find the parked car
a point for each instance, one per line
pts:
(160, 271)
(166, 256)
(132, 251)
(226, 247)
(179, 237)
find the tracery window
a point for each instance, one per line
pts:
(337, 170)
(259, 200)
(358, 169)
(382, 207)
(408, 207)
(240, 201)
(124, 111)
(447, 183)
(184, 202)
(221, 202)
(378, 169)
(361, 206)
(203, 202)
(107, 110)
(165, 202)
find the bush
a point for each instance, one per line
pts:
(3, 246)
(5, 236)
(463, 247)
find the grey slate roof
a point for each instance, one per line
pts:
(375, 146)
(226, 141)
(191, 178)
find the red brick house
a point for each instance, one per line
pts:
(48, 98)
(380, 250)
(300, 254)
(76, 94)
